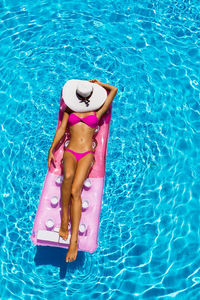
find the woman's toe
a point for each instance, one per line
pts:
(67, 258)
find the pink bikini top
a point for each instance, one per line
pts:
(90, 120)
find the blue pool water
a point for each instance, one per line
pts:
(149, 236)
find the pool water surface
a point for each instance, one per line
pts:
(149, 234)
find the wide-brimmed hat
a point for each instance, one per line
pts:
(83, 95)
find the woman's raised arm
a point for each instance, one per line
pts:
(113, 91)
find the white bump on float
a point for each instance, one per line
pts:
(94, 144)
(85, 204)
(49, 224)
(82, 228)
(97, 129)
(66, 143)
(87, 183)
(54, 201)
(59, 179)
(69, 226)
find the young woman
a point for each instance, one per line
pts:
(77, 160)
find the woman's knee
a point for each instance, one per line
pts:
(76, 193)
(68, 176)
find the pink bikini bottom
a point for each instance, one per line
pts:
(77, 154)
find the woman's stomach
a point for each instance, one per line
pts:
(80, 144)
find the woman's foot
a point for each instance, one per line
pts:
(63, 232)
(73, 249)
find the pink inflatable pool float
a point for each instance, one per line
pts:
(47, 221)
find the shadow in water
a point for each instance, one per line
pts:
(56, 256)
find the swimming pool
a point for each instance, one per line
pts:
(149, 224)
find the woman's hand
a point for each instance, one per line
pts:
(50, 157)
(94, 81)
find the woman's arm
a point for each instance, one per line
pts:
(59, 134)
(113, 91)
(106, 85)
(60, 131)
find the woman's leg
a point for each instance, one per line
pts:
(82, 171)
(69, 163)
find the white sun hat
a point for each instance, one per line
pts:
(83, 95)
